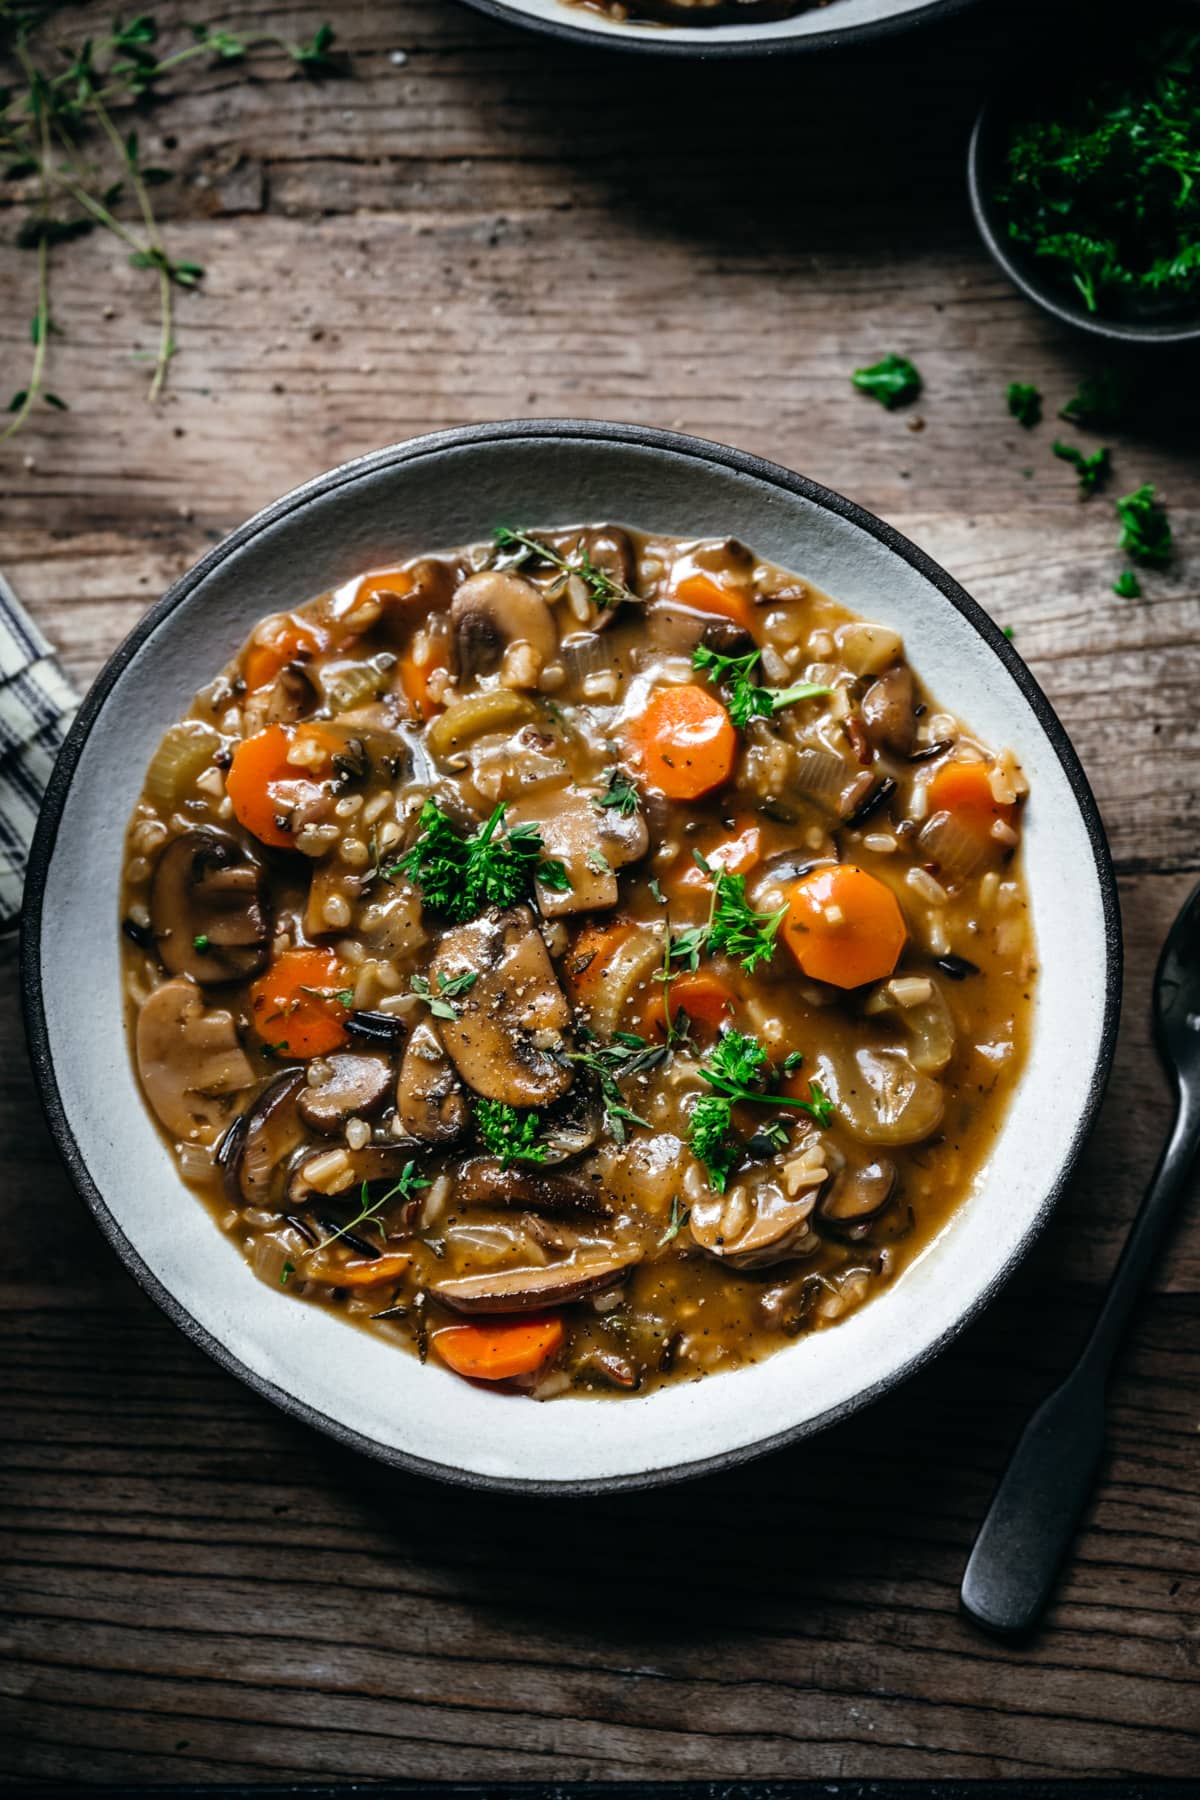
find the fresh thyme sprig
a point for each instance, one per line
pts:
(54, 119)
(624, 1055)
(441, 1004)
(406, 1185)
(747, 700)
(620, 793)
(517, 548)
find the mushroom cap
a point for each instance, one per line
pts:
(486, 1182)
(355, 1086)
(514, 1015)
(497, 608)
(190, 1060)
(257, 1148)
(751, 1228)
(208, 908)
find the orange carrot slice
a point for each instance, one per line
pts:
(501, 1348)
(688, 742)
(264, 787)
(844, 926)
(283, 641)
(702, 995)
(964, 790)
(367, 1271)
(704, 593)
(295, 1005)
(414, 680)
(734, 855)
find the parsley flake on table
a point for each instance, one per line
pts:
(1025, 404)
(1091, 470)
(1127, 585)
(1145, 528)
(1102, 399)
(893, 380)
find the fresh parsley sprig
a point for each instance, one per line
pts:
(1092, 470)
(1025, 404)
(1146, 530)
(732, 928)
(519, 548)
(508, 1132)
(620, 793)
(747, 700)
(738, 1069)
(893, 380)
(460, 875)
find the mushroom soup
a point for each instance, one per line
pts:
(590, 959)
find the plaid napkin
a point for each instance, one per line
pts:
(36, 709)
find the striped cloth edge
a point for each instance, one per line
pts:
(37, 704)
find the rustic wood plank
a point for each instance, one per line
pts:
(196, 1588)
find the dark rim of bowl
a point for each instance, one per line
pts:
(574, 431)
(980, 154)
(657, 39)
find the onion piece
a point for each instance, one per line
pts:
(186, 751)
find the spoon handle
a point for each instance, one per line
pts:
(1032, 1518)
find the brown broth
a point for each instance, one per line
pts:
(379, 701)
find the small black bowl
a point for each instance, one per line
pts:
(1173, 329)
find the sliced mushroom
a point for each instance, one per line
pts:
(855, 1196)
(574, 1125)
(508, 1038)
(494, 609)
(485, 1182)
(208, 908)
(751, 1227)
(256, 1150)
(526, 1290)
(786, 1305)
(430, 1101)
(887, 710)
(884, 1099)
(354, 1087)
(293, 697)
(190, 1060)
(591, 841)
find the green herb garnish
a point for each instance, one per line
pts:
(518, 549)
(460, 876)
(1091, 470)
(1146, 530)
(738, 1069)
(63, 125)
(1025, 404)
(441, 1004)
(201, 942)
(407, 1183)
(1102, 399)
(624, 1055)
(620, 793)
(288, 1269)
(1105, 192)
(893, 381)
(678, 1219)
(747, 700)
(508, 1133)
(732, 928)
(1127, 585)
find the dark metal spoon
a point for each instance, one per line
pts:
(1034, 1512)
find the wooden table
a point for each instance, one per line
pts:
(199, 1589)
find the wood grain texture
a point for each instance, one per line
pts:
(194, 1587)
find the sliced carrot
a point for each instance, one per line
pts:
(367, 1271)
(501, 1348)
(295, 1004)
(284, 639)
(734, 855)
(702, 995)
(704, 593)
(688, 742)
(385, 581)
(591, 954)
(264, 786)
(844, 926)
(414, 679)
(964, 790)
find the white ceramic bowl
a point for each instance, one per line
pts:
(447, 489)
(832, 27)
